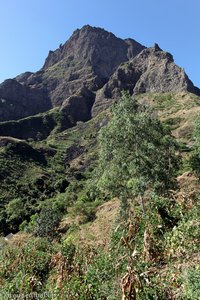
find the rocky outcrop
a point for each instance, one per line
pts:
(88, 59)
(85, 61)
(97, 48)
(78, 107)
(152, 70)
(18, 101)
(75, 108)
(22, 78)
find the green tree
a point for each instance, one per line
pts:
(137, 153)
(16, 212)
(195, 156)
(47, 221)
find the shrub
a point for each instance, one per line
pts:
(192, 284)
(47, 222)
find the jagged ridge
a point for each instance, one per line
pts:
(152, 70)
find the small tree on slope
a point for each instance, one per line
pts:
(137, 153)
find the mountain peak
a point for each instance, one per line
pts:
(88, 28)
(91, 44)
(96, 61)
(156, 47)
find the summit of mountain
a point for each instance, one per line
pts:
(86, 60)
(95, 47)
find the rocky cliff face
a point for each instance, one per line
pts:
(87, 59)
(87, 74)
(95, 47)
(18, 101)
(152, 70)
(85, 62)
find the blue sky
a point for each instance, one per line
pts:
(30, 28)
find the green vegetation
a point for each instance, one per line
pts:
(163, 102)
(59, 187)
(195, 157)
(192, 284)
(137, 153)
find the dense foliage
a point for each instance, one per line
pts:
(137, 153)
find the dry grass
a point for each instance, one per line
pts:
(96, 233)
(180, 108)
(19, 239)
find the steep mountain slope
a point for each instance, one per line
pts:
(86, 60)
(82, 78)
(97, 48)
(36, 170)
(151, 71)
(18, 101)
(69, 78)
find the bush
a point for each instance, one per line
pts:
(47, 222)
(15, 211)
(22, 269)
(86, 209)
(192, 284)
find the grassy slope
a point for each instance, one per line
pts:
(177, 110)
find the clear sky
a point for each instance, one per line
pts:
(30, 28)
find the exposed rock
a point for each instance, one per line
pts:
(88, 58)
(152, 70)
(78, 107)
(22, 78)
(18, 101)
(95, 47)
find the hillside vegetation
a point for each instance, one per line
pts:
(108, 209)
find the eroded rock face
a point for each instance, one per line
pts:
(152, 70)
(87, 59)
(95, 47)
(78, 107)
(19, 101)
